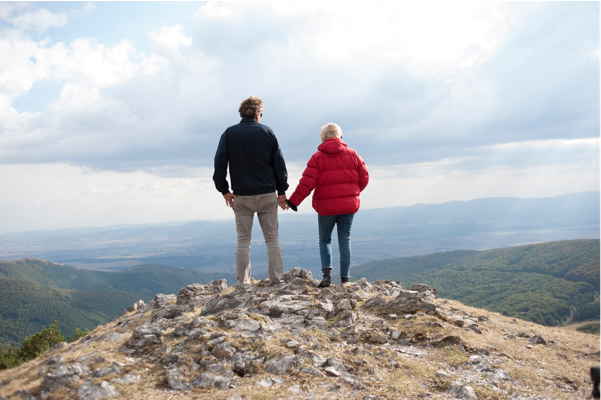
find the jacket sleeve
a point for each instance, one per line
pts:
(221, 162)
(363, 174)
(307, 183)
(279, 167)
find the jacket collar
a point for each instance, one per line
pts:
(248, 119)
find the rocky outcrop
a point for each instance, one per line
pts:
(291, 340)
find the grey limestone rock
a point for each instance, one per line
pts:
(409, 302)
(537, 340)
(145, 335)
(281, 366)
(217, 286)
(475, 328)
(220, 303)
(62, 376)
(136, 306)
(209, 380)
(424, 290)
(190, 293)
(161, 300)
(127, 379)
(241, 325)
(463, 391)
(313, 371)
(175, 379)
(96, 392)
(223, 350)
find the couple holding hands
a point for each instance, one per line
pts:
(257, 171)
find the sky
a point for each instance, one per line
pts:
(111, 112)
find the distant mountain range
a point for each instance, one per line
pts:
(547, 283)
(377, 234)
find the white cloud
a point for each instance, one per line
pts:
(40, 20)
(170, 37)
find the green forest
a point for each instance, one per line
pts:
(35, 293)
(548, 283)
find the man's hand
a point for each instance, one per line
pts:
(229, 199)
(283, 202)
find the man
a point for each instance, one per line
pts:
(257, 171)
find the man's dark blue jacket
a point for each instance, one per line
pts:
(255, 160)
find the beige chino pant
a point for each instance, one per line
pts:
(266, 207)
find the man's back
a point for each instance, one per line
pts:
(255, 160)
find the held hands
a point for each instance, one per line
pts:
(283, 202)
(229, 199)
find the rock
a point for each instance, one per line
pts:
(313, 371)
(51, 361)
(331, 371)
(241, 325)
(62, 376)
(235, 397)
(281, 366)
(407, 302)
(334, 362)
(523, 335)
(58, 346)
(217, 286)
(343, 305)
(425, 290)
(145, 335)
(223, 351)
(298, 273)
(295, 389)
(462, 391)
(326, 306)
(161, 300)
(318, 322)
(318, 361)
(483, 318)
(475, 328)
(127, 379)
(442, 374)
(378, 339)
(363, 283)
(136, 306)
(537, 340)
(264, 383)
(209, 380)
(447, 341)
(456, 320)
(113, 337)
(220, 303)
(395, 335)
(96, 392)
(102, 372)
(175, 379)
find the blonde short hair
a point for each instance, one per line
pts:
(251, 107)
(329, 131)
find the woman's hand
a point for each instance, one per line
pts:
(282, 201)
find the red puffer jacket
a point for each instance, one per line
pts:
(338, 175)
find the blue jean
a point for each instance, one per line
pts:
(326, 226)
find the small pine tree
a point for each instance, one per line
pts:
(36, 344)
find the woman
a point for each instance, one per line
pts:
(338, 175)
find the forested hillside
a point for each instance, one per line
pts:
(547, 283)
(35, 293)
(145, 279)
(25, 307)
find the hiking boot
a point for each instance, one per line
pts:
(343, 280)
(327, 279)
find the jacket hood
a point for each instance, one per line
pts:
(332, 146)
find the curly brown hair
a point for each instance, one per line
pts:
(251, 107)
